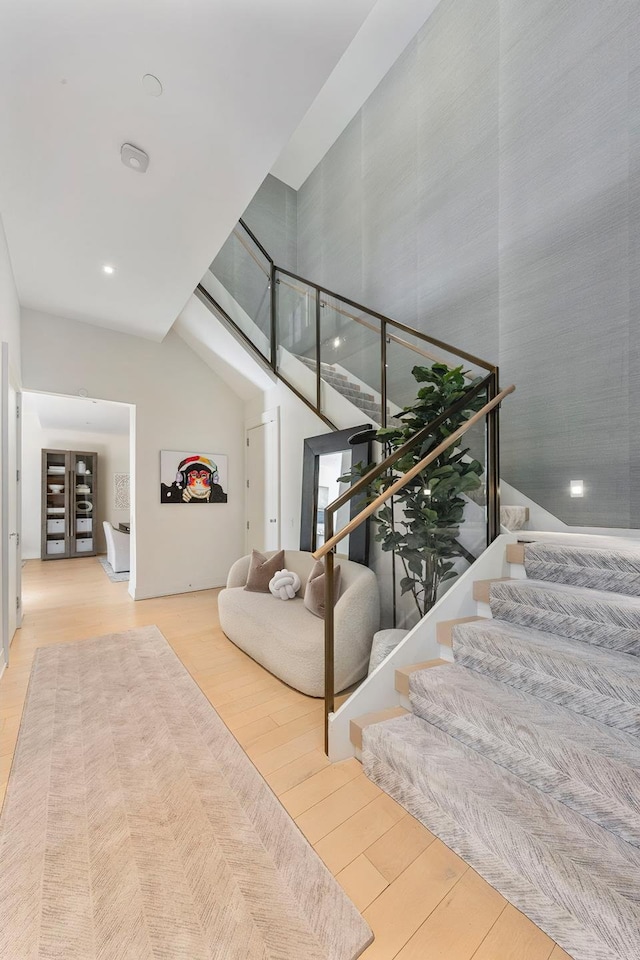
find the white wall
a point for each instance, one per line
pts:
(113, 457)
(9, 308)
(296, 423)
(180, 405)
(9, 332)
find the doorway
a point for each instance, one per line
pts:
(263, 483)
(76, 462)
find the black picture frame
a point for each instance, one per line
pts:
(314, 447)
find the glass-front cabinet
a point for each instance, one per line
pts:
(69, 503)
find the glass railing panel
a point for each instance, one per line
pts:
(406, 355)
(436, 526)
(296, 356)
(239, 280)
(350, 354)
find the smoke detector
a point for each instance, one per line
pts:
(134, 157)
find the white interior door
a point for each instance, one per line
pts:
(12, 511)
(9, 505)
(263, 482)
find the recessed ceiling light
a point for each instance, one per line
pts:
(152, 85)
(107, 268)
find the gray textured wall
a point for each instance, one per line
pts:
(272, 217)
(488, 192)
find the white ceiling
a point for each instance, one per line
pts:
(370, 55)
(80, 414)
(238, 77)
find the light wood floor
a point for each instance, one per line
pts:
(421, 900)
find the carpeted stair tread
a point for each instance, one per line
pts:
(592, 616)
(351, 391)
(578, 881)
(588, 766)
(616, 571)
(590, 680)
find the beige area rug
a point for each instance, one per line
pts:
(135, 827)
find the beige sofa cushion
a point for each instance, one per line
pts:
(262, 569)
(314, 591)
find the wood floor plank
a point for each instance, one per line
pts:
(403, 907)
(352, 837)
(329, 813)
(320, 785)
(297, 771)
(388, 863)
(295, 710)
(265, 709)
(399, 847)
(272, 760)
(362, 882)
(251, 731)
(282, 734)
(514, 937)
(459, 923)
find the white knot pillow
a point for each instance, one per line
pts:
(284, 584)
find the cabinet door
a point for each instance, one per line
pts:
(84, 501)
(56, 518)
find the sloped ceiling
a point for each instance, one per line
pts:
(237, 77)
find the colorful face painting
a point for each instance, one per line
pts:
(192, 478)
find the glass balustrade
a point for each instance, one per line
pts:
(350, 364)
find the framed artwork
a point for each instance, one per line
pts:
(187, 477)
(121, 491)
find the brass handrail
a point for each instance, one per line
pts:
(376, 471)
(391, 337)
(449, 348)
(409, 475)
(327, 549)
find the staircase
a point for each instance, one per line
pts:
(523, 755)
(351, 391)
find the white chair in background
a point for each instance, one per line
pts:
(117, 547)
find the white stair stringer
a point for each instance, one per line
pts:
(421, 643)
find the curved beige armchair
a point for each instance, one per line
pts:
(288, 640)
(118, 544)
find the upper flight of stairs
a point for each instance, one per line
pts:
(524, 754)
(351, 391)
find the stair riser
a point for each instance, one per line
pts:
(589, 622)
(564, 692)
(623, 561)
(591, 786)
(613, 582)
(592, 668)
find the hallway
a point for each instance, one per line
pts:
(417, 895)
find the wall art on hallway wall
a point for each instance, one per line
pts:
(192, 477)
(121, 491)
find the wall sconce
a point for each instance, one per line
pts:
(576, 488)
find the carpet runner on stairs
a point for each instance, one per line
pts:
(351, 391)
(524, 755)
